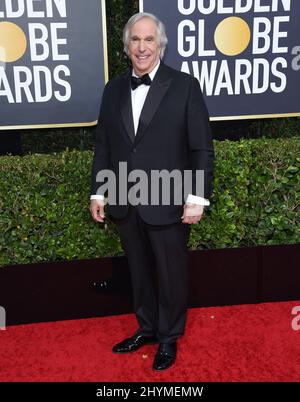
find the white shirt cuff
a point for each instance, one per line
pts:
(194, 199)
(97, 197)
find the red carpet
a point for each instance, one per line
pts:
(234, 343)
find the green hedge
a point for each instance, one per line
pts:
(44, 203)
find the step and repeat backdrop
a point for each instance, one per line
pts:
(53, 62)
(245, 53)
(53, 57)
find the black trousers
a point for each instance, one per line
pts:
(157, 257)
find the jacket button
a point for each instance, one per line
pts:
(134, 150)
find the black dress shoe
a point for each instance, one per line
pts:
(134, 343)
(165, 356)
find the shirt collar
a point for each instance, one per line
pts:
(153, 72)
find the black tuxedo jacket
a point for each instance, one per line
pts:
(173, 133)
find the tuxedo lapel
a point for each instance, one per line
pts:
(157, 91)
(126, 107)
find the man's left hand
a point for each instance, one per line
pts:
(192, 213)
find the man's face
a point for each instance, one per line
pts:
(143, 48)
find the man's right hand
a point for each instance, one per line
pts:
(97, 210)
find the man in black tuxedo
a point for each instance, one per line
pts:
(153, 118)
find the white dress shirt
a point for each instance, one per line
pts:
(138, 97)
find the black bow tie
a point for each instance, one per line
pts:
(137, 81)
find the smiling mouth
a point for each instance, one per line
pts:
(142, 57)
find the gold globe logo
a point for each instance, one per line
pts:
(13, 42)
(232, 36)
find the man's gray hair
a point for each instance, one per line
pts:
(162, 39)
